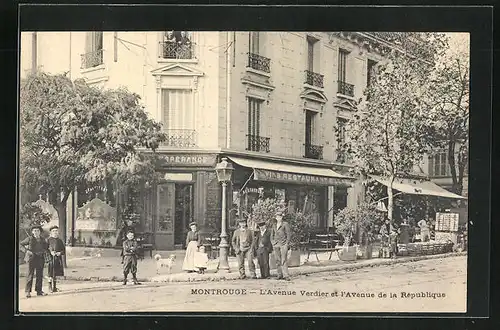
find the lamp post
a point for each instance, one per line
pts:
(224, 171)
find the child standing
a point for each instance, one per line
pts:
(130, 247)
(57, 250)
(201, 260)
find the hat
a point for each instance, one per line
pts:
(279, 213)
(35, 227)
(241, 220)
(262, 223)
(192, 224)
(130, 231)
(53, 227)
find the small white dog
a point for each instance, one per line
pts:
(168, 263)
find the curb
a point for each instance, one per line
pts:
(235, 275)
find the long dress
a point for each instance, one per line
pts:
(192, 242)
(55, 265)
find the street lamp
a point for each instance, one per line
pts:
(224, 171)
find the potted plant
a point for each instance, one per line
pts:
(300, 225)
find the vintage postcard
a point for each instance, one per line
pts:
(243, 171)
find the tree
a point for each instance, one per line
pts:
(388, 135)
(448, 98)
(72, 133)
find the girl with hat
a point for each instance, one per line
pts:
(57, 250)
(193, 241)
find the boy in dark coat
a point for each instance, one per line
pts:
(263, 247)
(35, 247)
(57, 250)
(130, 248)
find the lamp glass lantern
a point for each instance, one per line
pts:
(224, 170)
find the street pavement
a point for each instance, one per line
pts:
(435, 285)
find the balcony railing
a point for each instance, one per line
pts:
(258, 62)
(313, 151)
(345, 88)
(181, 138)
(258, 143)
(173, 50)
(91, 59)
(314, 79)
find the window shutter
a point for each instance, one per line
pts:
(88, 42)
(431, 165)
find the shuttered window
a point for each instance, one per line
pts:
(254, 43)
(342, 64)
(178, 110)
(254, 116)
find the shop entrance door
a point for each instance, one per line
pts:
(183, 212)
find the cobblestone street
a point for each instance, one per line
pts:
(442, 282)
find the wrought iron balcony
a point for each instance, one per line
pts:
(257, 143)
(174, 50)
(313, 151)
(91, 59)
(181, 138)
(345, 88)
(258, 62)
(314, 79)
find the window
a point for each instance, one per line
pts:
(178, 117)
(255, 142)
(176, 45)
(311, 149)
(310, 53)
(438, 164)
(342, 65)
(93, 55)
(254, 45)
(370, 71)
(341, 139)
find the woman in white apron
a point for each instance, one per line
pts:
(193, 241)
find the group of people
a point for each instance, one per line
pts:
(177, 45)
(39, 251)
(247, 246)
(392, 236)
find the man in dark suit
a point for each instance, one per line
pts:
(263, 247)
(243, 247)
(35, 247)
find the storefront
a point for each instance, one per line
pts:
(309, 188)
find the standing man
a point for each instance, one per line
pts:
(130, 247)
(57, 250)
(35, 247)
(243, 246)
(280, 240)
(263, 247)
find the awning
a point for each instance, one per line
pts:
(417, 187)
(299, 174)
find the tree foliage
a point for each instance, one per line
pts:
(389, 134)
(363, 217)
(73, 133)
(448, 103)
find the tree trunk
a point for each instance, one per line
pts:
(452, 164)
(390, 200)
(61, 213)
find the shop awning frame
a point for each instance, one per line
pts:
(264, 170)
(417, 187)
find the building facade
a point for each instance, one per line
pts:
(271, 102)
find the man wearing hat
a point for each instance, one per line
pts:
(57, 250)
(280, 239)
(35, 247)
(263, 247)
(243, 247)
(130, 248)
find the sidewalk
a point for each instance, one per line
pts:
(109, 269)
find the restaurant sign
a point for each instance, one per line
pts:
(276, 176)
(189, 160)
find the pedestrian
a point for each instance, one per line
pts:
(35, 248)
(424, 230)
(393, 243)
(57, 251)
(404, 232)
(128, 225)
(130, 247)
(242, 242)
(193, 241)
(280, 240)
(263, 247)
